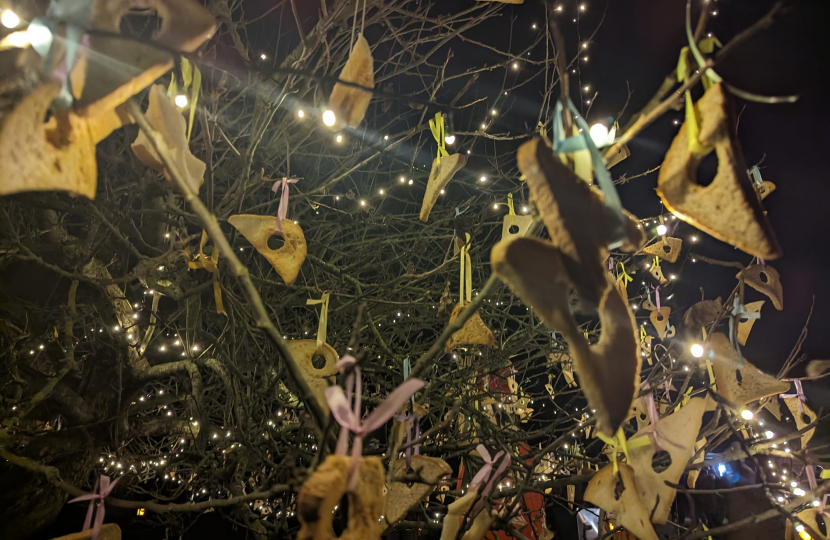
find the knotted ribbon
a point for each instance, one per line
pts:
(483, 473)
(438, 131)
(349, 419)
(583, 141)
(282, 211)
(652, 431)
(799, 393)
(96, 498)
(623, 279)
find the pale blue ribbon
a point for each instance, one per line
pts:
(583, 141)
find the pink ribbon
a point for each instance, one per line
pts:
(651, 409)
(349, 418)
(799, 393)
(106, 488)
(485, 470)
(282, 212)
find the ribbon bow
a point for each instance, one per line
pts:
(106, 488)
(799, 393)
(618, 443)
(485, 470)
(349, 419)
(282, 212)
(623, 279)
(653, 432)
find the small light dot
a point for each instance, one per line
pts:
(301, 113)
(362, 203)
(329, 118)
(482, 179)
(380, 191)
(339, 138)
(515, 65)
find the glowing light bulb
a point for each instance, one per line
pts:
(380, 191)
(496, 206)
(746, 414)
(339, 138)
(329, 118)
(533, 26)
(301, 113)
(181, 101)
(599, 133)
(798, 492)
(694, 238)
(362, 203)
(662, 229)
(9, 19)
(525, 209)
(769, 434)
(442, 192)
(263, 56)
(482, 179)
(449, 139)
(515, 65)
(493, 112)
(582, 7)
(697, 350)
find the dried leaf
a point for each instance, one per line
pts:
(745, 325)
(318, 379)
(534, 270)
(322, 491)
(765, 280)
(666, 248)
(348, 103)
(619, 497)
(728, 208)
(474, 332)
(803, 418)
(439, 176)
(166, 119)
(753, 385)
(51, 156)
(677, 434)
(286, 260)
(401, 498)
(576, 217)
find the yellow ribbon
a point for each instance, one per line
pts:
(692, 120)
(192, 79)
(511, 211)
(210, 264)
(617, 443)
(712, 384)
(705, 528)
(643, 334)
(686, 398)
(623, 279)
(465, 286)
(437, 128)
(324, 319)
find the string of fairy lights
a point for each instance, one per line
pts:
(165, 465)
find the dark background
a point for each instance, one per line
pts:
(638, 43)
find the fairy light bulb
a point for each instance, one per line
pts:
(769, 434)
(662, 229)
(515, 65)
(449, 139)
(329, 118)
(697, 350)
(746, 414)
(181, 101)
(599, 132)
(798, 492)
(482, 179)
(301, 113)
(339, 138)
(9, 19)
